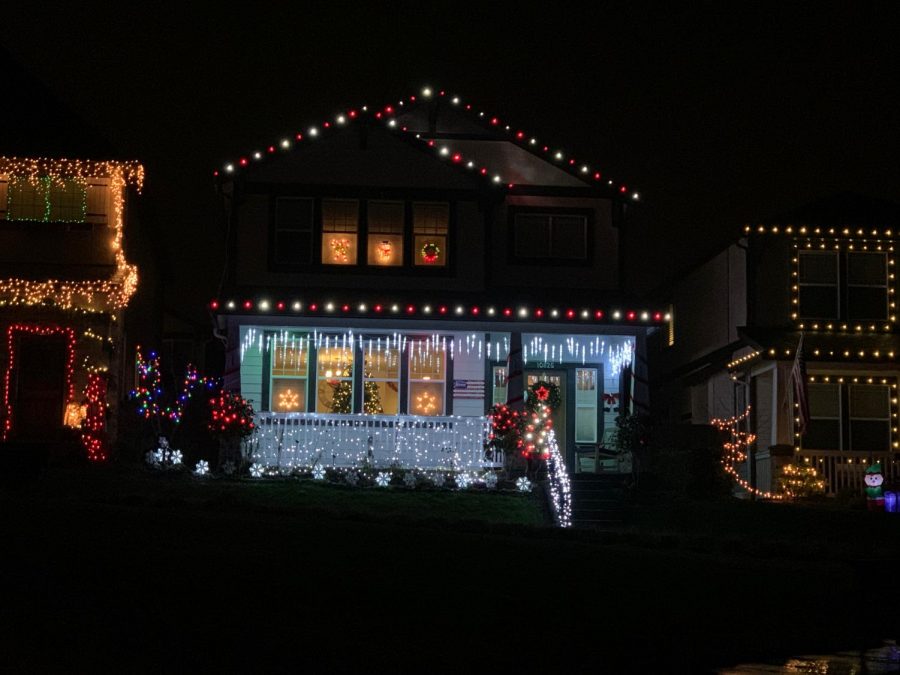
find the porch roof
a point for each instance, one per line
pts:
(775, 343)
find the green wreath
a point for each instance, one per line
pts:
(543, 392)
(430, 252)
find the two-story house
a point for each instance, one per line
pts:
(64, 284)
(826, 272)
(381, 263)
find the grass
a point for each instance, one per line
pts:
(150, 573)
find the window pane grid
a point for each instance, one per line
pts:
(334, 379)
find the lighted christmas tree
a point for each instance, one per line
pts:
(341, 397)
(800, 481)
(372, 399)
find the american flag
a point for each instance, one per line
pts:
(468, 389)
(798, 381)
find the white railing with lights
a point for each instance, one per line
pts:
(404, 441)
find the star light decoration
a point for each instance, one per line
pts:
(426, 403)
(383, 479)
(202, 468)
(442, 148)
(288, 400)
(523, 484)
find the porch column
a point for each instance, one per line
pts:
(515, 384)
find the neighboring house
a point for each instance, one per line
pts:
(64, 283)
(381, 263)
(826, 271)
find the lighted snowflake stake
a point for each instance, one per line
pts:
(152, 458)
(202, 468)
(438, 479)
(490, 480)
(383, 479)
(318, 472)
(352, 478)
(463, 481)
(256, 470)
(523, 484)
(176, 457)
(409, 479)
(228, 468)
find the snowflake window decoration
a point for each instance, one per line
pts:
(256, 470)
(438, 479)
(202, 468)
(318, 472)
(463, 480)
(409, 479)
(490, 480)
(523, 484)
(383, 479)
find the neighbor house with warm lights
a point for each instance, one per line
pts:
(64, 284)
(381, 263)
(825, 271)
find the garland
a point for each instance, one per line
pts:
(430, 252)
(543, 393)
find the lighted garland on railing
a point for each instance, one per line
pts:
(389, 113)
(78, 295)
(734, 451)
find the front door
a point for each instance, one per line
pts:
(557, 377)
(39, 386)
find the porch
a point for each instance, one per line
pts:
(450, 442)
(844, 470)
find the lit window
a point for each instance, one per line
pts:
(334, 379)
(430, 226)
(586, 405)
(427, 373)
(385, 246)
(289, 374)
(340, 222)
(46, 199)
(499, 395)
(381, 381)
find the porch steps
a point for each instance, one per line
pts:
(597, 500)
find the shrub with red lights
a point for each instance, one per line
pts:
(231, 416)
(525, 432)
(93, 426)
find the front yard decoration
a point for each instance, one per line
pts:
(490, 480)
(437, 480)
(409, 479)
(523, 484)
(800, 481)
(256, 470)
(890, 502)
(874, 492)
(202, 468)
(735, 451)
(230, 421)
(383, 479)
(318, 472)
(463, 481)
(165, 456)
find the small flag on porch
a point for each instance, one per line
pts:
(468, 389)
(798, 382)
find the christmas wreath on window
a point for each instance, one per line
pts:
(543, 393)
(430, 252)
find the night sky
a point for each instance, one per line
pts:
(717, 118)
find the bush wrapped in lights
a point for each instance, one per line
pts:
(800, 481)
(231, 416)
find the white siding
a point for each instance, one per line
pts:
(468, 367)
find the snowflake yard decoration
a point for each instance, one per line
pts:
(383, 479)
(256, 470)
(523, 484)
(202, 468)
(352, 478)
(318, 472)
(490, 480)
(463, 480)
(151, 458)
(176, 457)
(409, 479)
(438, 480)
(228, 468)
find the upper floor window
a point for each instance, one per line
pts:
(293, 241)
(550, 236)
(385, 246)
(46, 199)
(849, 285)
(340, 225)
(430, 225)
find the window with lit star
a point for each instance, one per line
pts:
(427, 378)
(289, 374)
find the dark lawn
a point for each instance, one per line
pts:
(173, 582)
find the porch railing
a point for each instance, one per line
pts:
(405, 441)
(846, 470)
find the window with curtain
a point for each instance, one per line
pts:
(340, 224)
(385, 245)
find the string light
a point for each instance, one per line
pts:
(389, 113)
(93, 427)
(31, 329)
(734, 452)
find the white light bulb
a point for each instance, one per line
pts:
(584, 314)
(362, 307)
(427, 309)
(558, 155)
(313, 131)
(584, 169)
(523, 312)
(257, 155)
(426, 92)
(264, 305)
(617, 314)
(470, 164)
(329, 307)
(490, 311)
(341, 119)
(230, 304)
(459, 309)
(455, 100)
(229, 168)
(392, 123)
(445, 151)
(635, 196)
(644, 316)
(395, 308)
(533, 141)
(497, 178)
(285, 143)
(297, 306)
(554, 313)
